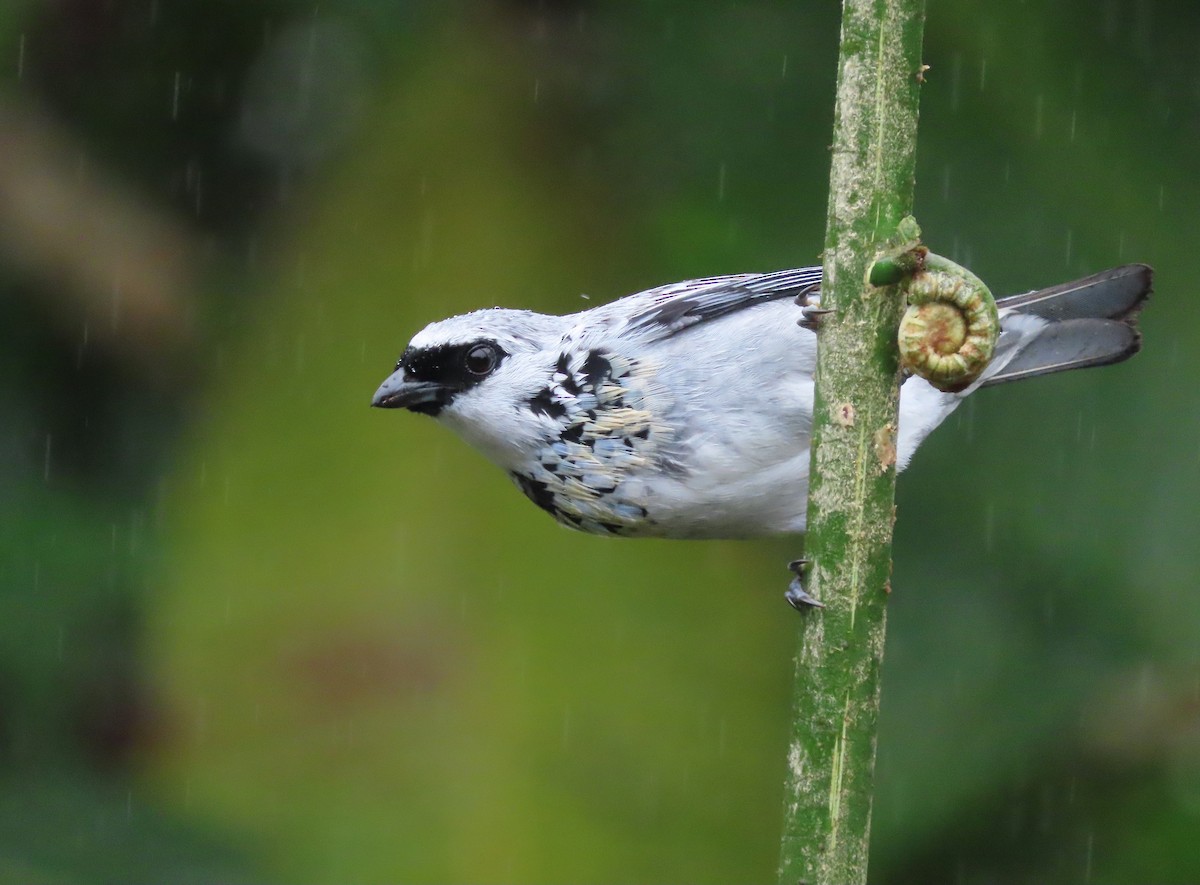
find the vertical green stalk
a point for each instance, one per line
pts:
(831, 758)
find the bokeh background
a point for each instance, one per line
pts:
(253, 631)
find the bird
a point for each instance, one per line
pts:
(685, 411)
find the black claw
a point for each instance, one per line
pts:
(806, 293)
(813, 317)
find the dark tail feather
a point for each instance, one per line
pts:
(1115, 294)
(1092, 322)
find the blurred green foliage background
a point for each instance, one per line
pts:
(252, 631)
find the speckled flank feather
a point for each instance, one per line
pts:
(604, 405)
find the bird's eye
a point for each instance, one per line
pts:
(481, 359)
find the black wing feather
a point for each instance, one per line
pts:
(681, 306)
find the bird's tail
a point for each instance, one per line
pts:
(1087, 322)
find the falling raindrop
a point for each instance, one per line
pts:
(955, 80)
(21, 57)
(83, 343)
(175, 95)
(195, 184)
(1111, 23)
(115, 312)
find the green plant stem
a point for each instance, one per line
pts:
(831, 758)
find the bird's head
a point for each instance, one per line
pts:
(476, 373)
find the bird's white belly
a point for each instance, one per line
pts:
(727, 503)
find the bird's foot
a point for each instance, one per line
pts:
(809, 300)
(796, 596)
(813, 316)
(810, 296)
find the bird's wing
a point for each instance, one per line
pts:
(668, 310)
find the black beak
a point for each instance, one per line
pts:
(419, 396)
